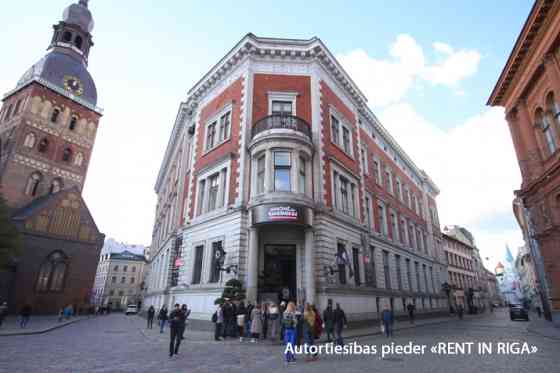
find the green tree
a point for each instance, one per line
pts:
(233, 290)
(10, 239)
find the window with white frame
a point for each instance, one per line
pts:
(213, 186)
(377, 170)
(302, 175)
(369, 219)
(335, 129)
(341, 135)
(197, 264)
(403, 230)
(218, 129)
(346, 142)
(282, 103)
(281, 107)
(344, 193)
(382, 218)
(398, 188)
(282, 171)
(364, 160)
(212, 190)
(411, 235)
(211, 135)
(389, 180)
(261, 165)
(395, 225)
(406, 196)
(225, 126)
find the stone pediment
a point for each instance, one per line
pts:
(62, 215)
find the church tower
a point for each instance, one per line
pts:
(48, 122)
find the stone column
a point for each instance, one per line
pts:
(252, 265)
(310, 266)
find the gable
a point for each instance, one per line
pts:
(63, 215)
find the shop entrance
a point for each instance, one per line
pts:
(278, 279)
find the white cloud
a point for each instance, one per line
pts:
(386, 81)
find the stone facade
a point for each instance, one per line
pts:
(529, 89)
(269, 178)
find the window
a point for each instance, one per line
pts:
(29, 141)
(368, 212)
(78, 42)
(114, 280)
(261, 161)
(132, 280)
(215, 269)
(341, 252)
(389, 181)
(402, 227)
(55, 186)
(282, 169)
(33, 184)
(16, 110)
(377, 170)
(419, 240)
(417, 271)
(79, 159)
(398, 189)
(54, 115)
(73, 123)
(356, 260)
(66, 155)
(382, 218)
(133, 269)
(213, 192)
(364, 160)
(125, 268)
(210, 135)
(395, 226)
(123, 280)
(411, 235)
(201, 188)
(52, 273)
(408, 274)
(432, 280)
(346, 140)
(302, 166)
(371, 274)
(344, 194)
(116, 268)
(43, 145)
(425, 278)
(197, 270)
(335, 128)
(406, 196)
(225, 126)
(281, 108)
(399, 274)
(386, 270)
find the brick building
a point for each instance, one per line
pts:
(48, 124)
(277, 173)
(529, 89)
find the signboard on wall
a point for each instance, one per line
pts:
(279, 213)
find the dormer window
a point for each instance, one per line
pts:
(54, 115)
(73, 123)
(78, 42)
(67, 37)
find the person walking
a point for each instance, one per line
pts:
(289, 323)
(539, 312)
(250, 308)
(411, 308)
(265, 316)
(328, 319)
(151, 314)
(309, 328)
(273, 318)
(25, 315)
(186, 313)
(3, 312)
(318, 327)
(256, 323)
(339, 323)
(388, 321)
(162, 318)
(218, 320)
(176, 325)
(460, 311)
(241, 316)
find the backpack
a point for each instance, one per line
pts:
(215, 317)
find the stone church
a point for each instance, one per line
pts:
(48, 125)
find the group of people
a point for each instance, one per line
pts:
(177, 320)
(293, 324)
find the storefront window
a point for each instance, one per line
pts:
(282, 169)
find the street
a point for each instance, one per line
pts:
(118, 343)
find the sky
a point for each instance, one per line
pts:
(426, 67)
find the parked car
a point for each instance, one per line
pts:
(131, 309)
(517, 311)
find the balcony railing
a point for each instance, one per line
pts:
(277, 121)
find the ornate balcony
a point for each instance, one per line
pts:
(282, 122)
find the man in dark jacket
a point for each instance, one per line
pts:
(388, 320)
(162, 317)
(186, 313)
(151, 314)
(177, 320)
(339, 323)
(410, 308)
(328, 319)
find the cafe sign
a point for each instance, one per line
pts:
(279, 213)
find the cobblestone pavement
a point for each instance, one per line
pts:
(118, 343)
(37, 324)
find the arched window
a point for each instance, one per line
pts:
(73, 122)
(552, 108)
(8, 113)
(56, 185)
(67, 36)
(54, 115)
(18, 103)
(79, 159)
(67, 154)
(78, 42)
(547, 131)
(52, 273)
(33, 183)
(29, 140)
(43, 146)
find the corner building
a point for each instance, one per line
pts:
(277, 173)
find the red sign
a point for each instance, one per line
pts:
(178, 262)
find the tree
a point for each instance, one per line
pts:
(233, 290)
(10, 239)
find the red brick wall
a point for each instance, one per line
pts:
(264, 83)
(233, 93)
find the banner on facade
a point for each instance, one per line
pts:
(279, 213)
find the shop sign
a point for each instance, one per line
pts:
(279, 213)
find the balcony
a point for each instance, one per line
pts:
(282, 122)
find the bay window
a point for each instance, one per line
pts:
(302, 175)
(282, 170)
(261, 163)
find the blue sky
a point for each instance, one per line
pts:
(146, 57)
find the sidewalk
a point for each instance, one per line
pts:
(36, 325)
(543, 327)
